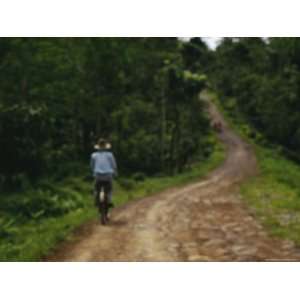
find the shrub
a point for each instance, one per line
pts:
(139, 176)
(127, 184)
(7, 230)
(42, 202)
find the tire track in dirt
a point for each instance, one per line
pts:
(203, 221)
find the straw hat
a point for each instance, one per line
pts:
(102, 144)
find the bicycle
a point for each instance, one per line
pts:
(102, 191)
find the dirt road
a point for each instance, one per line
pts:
(204, 221)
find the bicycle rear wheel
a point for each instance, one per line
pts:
(102, 202)
(103, 210)
(103, 214)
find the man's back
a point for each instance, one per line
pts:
(103, 162)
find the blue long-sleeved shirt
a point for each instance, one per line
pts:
(103, 163)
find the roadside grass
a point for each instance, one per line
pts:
(274, 194)
(29, 235)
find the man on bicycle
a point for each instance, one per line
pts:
(104, 168)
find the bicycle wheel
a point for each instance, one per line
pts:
(103, 207)
(104, 212)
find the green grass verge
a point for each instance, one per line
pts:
(274, 194)
(30, 238)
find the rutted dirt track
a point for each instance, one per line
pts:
(204, 221)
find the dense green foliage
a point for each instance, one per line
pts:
(197, 56)
(58, 95)
(259, 81)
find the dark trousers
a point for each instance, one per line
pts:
(105, 184)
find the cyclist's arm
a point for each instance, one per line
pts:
(92, 163)
(114, 164)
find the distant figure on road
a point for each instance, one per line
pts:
(104, 168)
(217, 126)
